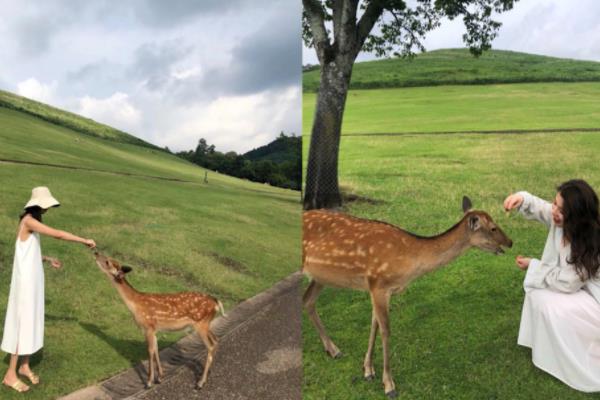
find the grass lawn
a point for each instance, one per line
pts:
(454, 332)
(467, 108)
(216, 238)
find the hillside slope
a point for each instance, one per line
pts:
(459, 67)
(67, 119)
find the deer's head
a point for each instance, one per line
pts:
(483, 231)
(111, 267)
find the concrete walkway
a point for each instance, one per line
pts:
(259, 356)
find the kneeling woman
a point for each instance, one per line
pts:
(24, 325)
(560, 320)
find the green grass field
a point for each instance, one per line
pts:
(454, 332)
(458, 66)
(467, 108)
(216, 238)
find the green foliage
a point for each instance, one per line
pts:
(401, 25)
(69, 120)
(277, 163)
(458, 67)
(178, 234)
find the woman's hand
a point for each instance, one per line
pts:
(513, 201)
(89, 243)
(53, 262)
(523, 262)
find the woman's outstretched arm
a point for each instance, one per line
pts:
(36, 226)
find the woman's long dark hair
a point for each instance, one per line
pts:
(581, 226)
(35, 212)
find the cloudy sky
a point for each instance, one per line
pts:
(559, 28)
(169, 72)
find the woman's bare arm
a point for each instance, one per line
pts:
(36, 226)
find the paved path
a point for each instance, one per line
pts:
(259, 356)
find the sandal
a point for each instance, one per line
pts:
(18, 385)
(33, 378)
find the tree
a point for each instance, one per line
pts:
(402, 26)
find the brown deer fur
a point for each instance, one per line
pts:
(348, 252)
(168, 312)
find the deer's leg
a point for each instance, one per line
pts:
(368, 363)
(381, 302)
(309, 300)
(210, 341)
(151, 341)
(159, 367)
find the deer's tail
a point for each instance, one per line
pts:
(220, 308)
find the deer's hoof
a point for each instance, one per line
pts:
(198, 386)
(370, 377)
(336, 355)
(392, 394)
(148, 385)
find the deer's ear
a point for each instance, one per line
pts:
(474, 223)
(126, 269)
(466, 204)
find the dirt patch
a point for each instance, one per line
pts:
(355, 198)
(280, 360)
(230, 263)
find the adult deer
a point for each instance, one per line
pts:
(171, 312)
(344, 251)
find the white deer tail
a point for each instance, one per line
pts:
(220, 308)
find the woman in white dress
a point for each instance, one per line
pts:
(560, 320)
(24, 325)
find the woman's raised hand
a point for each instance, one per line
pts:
(513, 201)
(523, 262)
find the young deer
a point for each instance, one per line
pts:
(343, 251)
(171, 312)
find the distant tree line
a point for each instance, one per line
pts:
(278, 163)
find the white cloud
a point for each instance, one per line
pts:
(36, 90)
(116, 111)
(181, 73)
(234, 123)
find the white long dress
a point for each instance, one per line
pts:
(560, 320)
(24, 324)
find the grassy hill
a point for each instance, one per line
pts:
(177, 232)
(459, 67)
(67, 119)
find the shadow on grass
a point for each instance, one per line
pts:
(133, 351)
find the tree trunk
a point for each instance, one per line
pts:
(322, 189)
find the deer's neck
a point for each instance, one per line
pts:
(127, 293)
(442, 249)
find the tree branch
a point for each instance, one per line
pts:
(347, 35)
(316, 19)
(367, 21)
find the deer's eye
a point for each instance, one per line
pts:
(494, 229)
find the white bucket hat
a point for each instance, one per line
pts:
(41, 197)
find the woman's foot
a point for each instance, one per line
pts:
(16, 384)
(26, 371)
